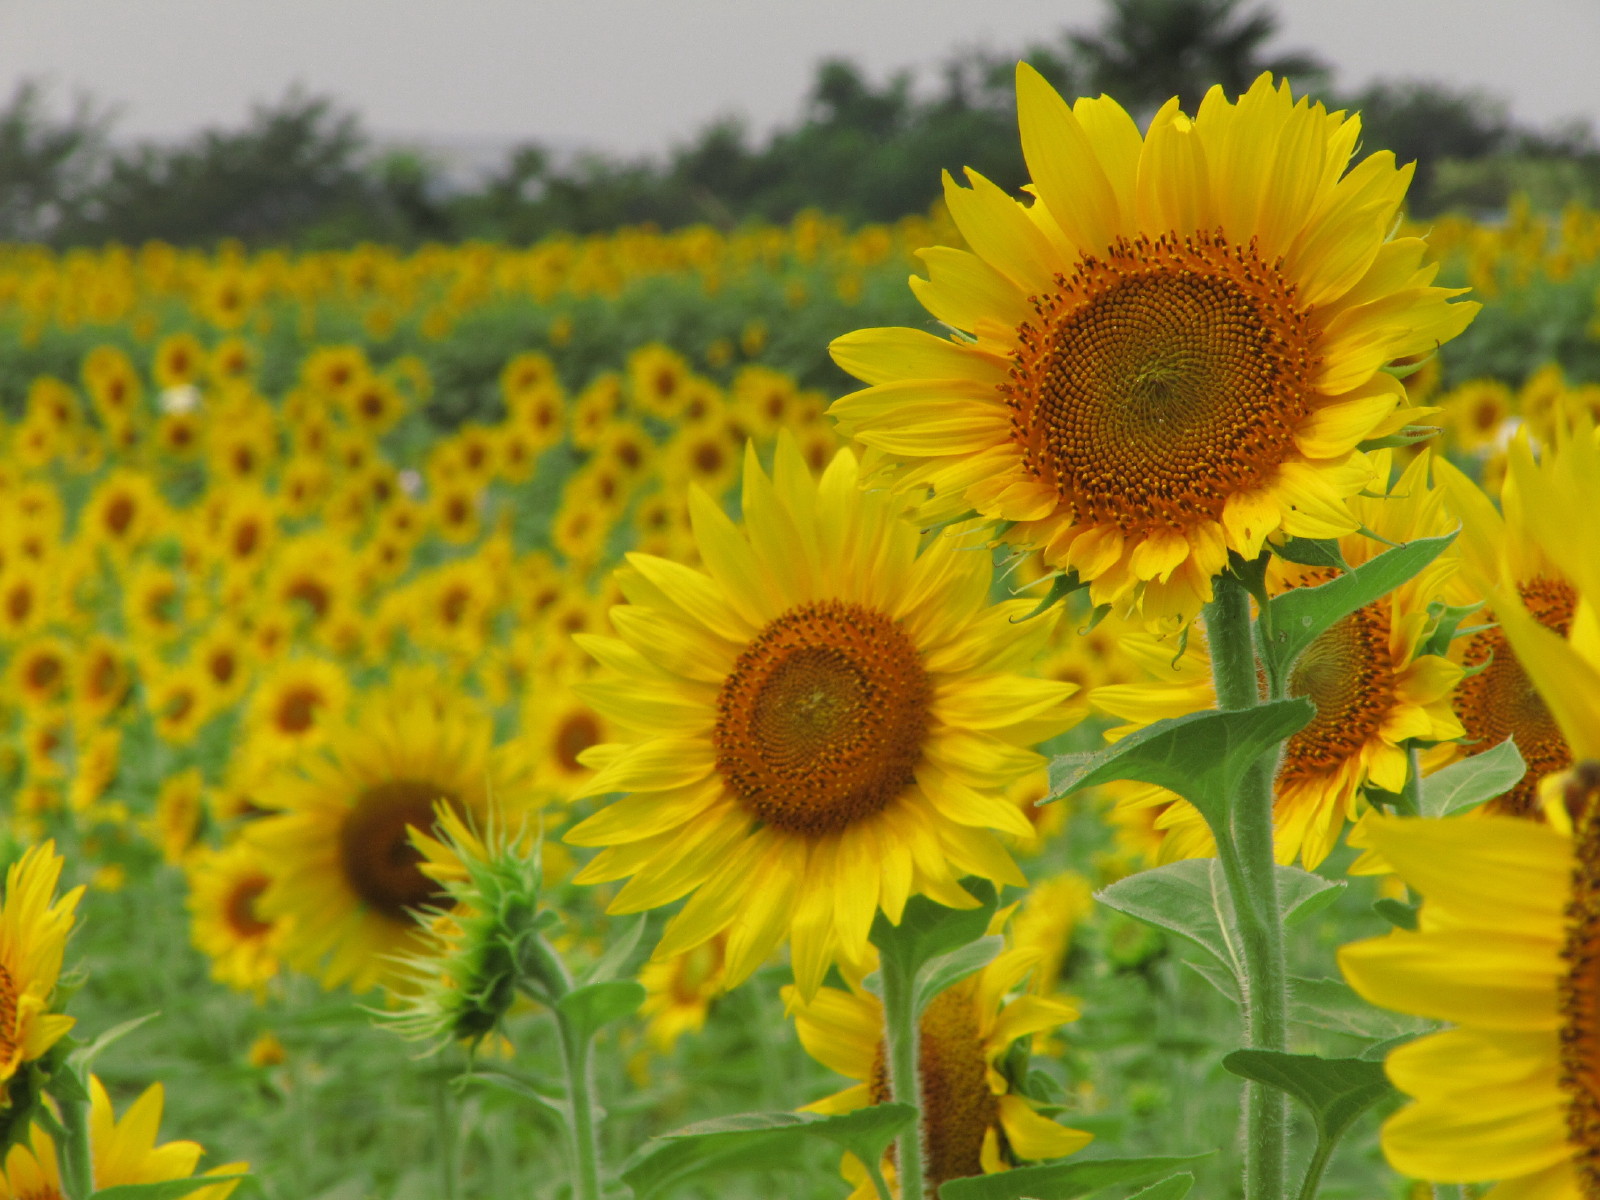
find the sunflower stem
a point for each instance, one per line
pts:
(1314, 1169)
(1244, 846)
(580, 1112)
(905, 1083)
(72, 1146)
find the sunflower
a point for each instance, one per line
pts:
(179, 702)
(1373, 687)
(1477, 411)
(123, 513)
(224, 887)
(121, 1153)
(374, 405)
(1171, 354)
(824, 710)
(33, 936)
(658, 379)
(1498, 699)
(180, 805)
(344, 870)
(679, 992)
(559, 728)
(41, 672)
(974, 1122)
(179, 359)
(293, 706)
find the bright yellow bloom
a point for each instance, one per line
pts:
(121, 1152)
(33, 937)
(225, 887)
(974, 1123)
(1372, 687)
(343, 866)
(819, 725)
(1173, 352)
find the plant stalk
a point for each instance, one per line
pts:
(905, 1079)
(580, 1112)
(77, 1164)
(1314, 1170)
(1245, 849)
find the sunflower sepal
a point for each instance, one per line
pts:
(1411, 435)
(1397, 913)
(1446, 621)
(1472, 781)
(1311, 552)
(1062, 585)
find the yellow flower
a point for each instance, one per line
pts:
(121, 1152)
(1173, 352)
(823, 710)
(974, 1122)
(1372, 686)
(1505, 949)
(33, 935)
(225, 887)
(343, 867)
(680, 990)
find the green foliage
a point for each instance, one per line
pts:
(586, 1010)
(1174, 1188)
(928, 946)
(1064, 1180)
(760, 1141)
(1472, 781)
(1202, 757)
(172, 1189)
(1299, 616)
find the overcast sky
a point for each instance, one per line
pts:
(631, 76)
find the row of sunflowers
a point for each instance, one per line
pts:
(392, 646)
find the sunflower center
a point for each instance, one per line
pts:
(1160, 380)
(577, 732)
(1347, 676)
(241, 907)
(1500, 701)
(1580, 989)
(957, 1106)
(375, 847)
(822, 719)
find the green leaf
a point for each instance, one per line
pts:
(947, 970)
(1174, 1188)
(1312, 552)
(1470, 782)
(172, 1189)
(1301, 615)
(609, 964)
(584, 1010)
(1190, 899)
(760, 1142)
(928, 930)
(1202, 757)
(1332, 1004)
(1302, 895)
(1335, 1091)
(1064, 1180)
(83, 1057)
(1401, 916)
(546, 1096)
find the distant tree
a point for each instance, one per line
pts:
(46, 164)
(1146, 51)
(1426, 122)
(294, 165)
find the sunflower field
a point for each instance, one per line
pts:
(687, 714)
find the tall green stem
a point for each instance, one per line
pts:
(1245, 850)
(580, 1104)
(72, 1147)
(905, 1080)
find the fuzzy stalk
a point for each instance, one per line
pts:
(905, 1077)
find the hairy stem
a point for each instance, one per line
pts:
(905, 1081)
(72, 1147)
(1245, 849)
(580, 1112)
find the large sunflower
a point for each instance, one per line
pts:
(1373, 687)
(1172, 352)
(819, 725)
(344, 869)
(974, 1121)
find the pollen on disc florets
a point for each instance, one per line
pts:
(1580, 988)
(1161, 379)
(822, 720)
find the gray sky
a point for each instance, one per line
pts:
(633, 76)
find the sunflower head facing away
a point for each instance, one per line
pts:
(817, 726)
(1170, 351)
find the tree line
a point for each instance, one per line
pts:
(303, 171)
